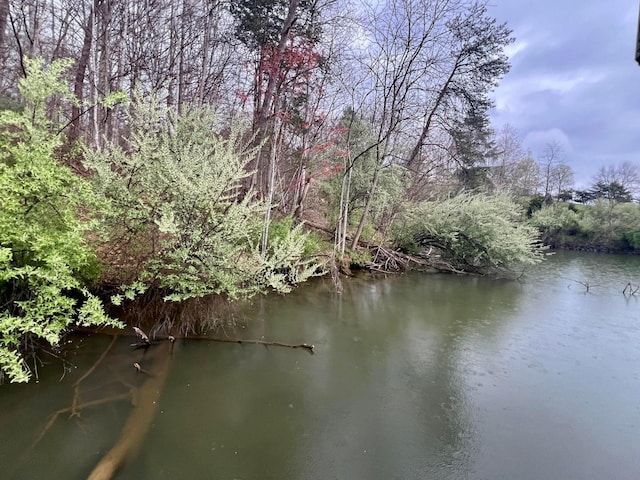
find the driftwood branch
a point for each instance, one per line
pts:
(304, 346)
(630, 290)
(72, 412)
(240, 341)
(76, 404)
(172, 339)
(586, 284)
(144, 339)
(387, 260)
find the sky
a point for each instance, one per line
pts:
(573, 80)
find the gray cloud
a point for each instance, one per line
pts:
(573, 80)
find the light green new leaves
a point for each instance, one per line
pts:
(180, 182)
(44, 259)
(477, 231)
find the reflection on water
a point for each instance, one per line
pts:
(414, 377)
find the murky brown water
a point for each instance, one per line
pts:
(414, 377)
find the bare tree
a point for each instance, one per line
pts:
(418, 66)
(550, 158)
(561, 178)
(626, 174)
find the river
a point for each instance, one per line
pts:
(419, 376)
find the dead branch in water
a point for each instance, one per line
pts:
(629, 290)
(172, 339)
(73, 411)
(76, 404)
(586, 284)
(144, 399)
(304, 346)
(387, 260)
(265, 343)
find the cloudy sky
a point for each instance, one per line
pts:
(573, 80)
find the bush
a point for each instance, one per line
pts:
(45, 262)
(477, 232)
(179, 211)
(554, 220)
(611, 225)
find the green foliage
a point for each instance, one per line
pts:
(43, 85)
(389, 193)
(609, 225)
(612, 191)
(477, 232)
(604, 225)
(535, 203)
(179, 212)
(474, 145)
(44, 259)
(632, 237)
(550, 220)
(260, 22)
(279, 230)
(359, 257)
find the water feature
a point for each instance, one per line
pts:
(413, 377)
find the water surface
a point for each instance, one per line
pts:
(414, 377)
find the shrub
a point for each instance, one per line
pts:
(179, 187)
(45, 262)
(477, 232)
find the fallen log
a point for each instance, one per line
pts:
(140, 419)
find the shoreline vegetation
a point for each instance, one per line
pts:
(173, 209)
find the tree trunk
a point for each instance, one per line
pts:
(413, 157)
(205, 56)
(265, 109)
(78, 84)
(367, 207)
(4, 15)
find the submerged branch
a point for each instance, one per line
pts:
(72, 412)
(630, 290)
(172, 339)
(75, 410)
(139, 421)
(585, 284)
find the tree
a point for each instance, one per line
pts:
(425, 64)
(584, 196)
(477, 61)
(614, 192)
(561, 179)
(4, 15)
(555, 221)
(625, 175)
(609, 224)
(474, 144)
(548, 161)
(271, 28)
(45, 262)
(512, 170)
